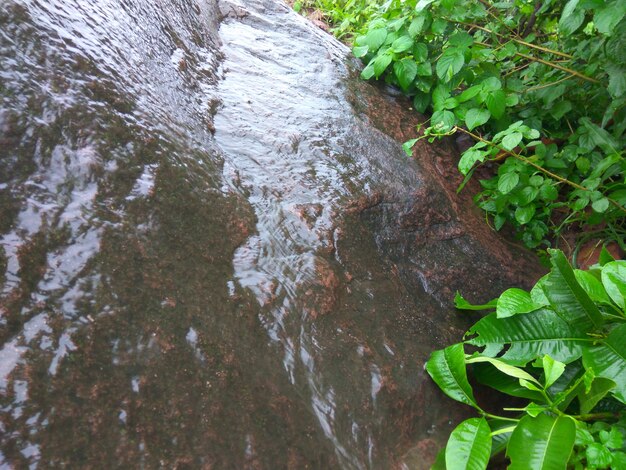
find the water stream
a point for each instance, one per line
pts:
(212, 252)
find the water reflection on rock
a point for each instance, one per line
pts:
(213, 251)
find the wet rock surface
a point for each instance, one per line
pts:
(213, 250)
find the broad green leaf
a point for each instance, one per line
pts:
(614, 281)
(491, 84)
(449, 64)
(403, 43)
(605, 256)
(608, 359)
(513, 301)
(447, 369)
(617, 80)
(469, 445)
(462, 304)
(507, 182)
(552, 370)
(417, 25)
(510, 141)
(599, 388)
(534, 410)
(476, 117)
(405, 71)
(605, 19)
(421, 101)
(536, 293)
(496, 103)
(505, 368)
(368, 71)
(375, 38)
(567, 297)
(461, 39)
(443, 120)
(601, 205)
(408, 146)
(571, 19)
(525, 214)
(440, 460)
(529, 336)
(381, 62)
(612, 439)
(541, 443)
(488, 375)
(360, 51)
(469, 93)
(598, 456)
(469, 158)
(592, 286)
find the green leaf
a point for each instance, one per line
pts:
(614, 281)
(544, 442)
(510, 141)
(381, 62)
(605, 256)
(403, 43)
(468, 159)
(443, 120)
(571, 18)
(368, 71)
(592, 286)
(608, 359)
(487, 374)
(375, 38)
(612, 439)
(524, 214)
(601, 205)
(461, 39)
(507, 182)
(552, 370)
(598, 456)
(469, 445)
(469, 93)
(417, 25)
(503, 367)
(528, 336)
(447, 369)
(513, 301)
(462, 304)
(599, 388)
(405, 71)
(408, 146)
(449, 64)
(567, 297)
(496, 103)
(476, 117)
(360, 51)
(607, 18)
(617, 80)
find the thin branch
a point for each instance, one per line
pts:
(519, 41)
(546, 85)
(534, 165)
(557, 66)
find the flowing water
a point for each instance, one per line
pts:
(211, 255)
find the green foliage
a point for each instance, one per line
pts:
(540, 87)
(562, 348)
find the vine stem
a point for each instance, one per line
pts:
(557, 66)
(591, 416)
(519, 41)
(546, 85)
(534, 165)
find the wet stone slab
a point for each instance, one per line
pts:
(213, 250)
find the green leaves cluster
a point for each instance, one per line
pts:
(561, 348)
(540, 87)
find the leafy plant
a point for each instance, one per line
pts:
(561, 350)
(539, 86)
